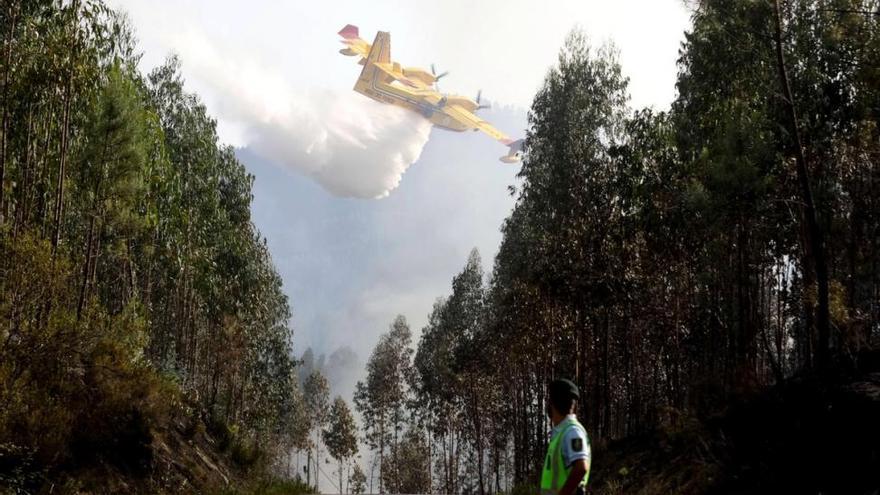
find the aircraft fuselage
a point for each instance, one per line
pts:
(426, 103)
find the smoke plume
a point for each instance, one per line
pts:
(351, 145)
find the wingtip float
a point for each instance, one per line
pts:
(416, 90)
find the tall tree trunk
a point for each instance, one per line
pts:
(59, 188)
(309, 469)
(65, 134)
(86, 273)
(42, 173)
(814, 233)
(13, 17)
(23, 204)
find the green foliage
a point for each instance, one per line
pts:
(340, 436)
(659, 259)
(408, 472)
(246, 453)
(132, 281)
(316, 392)
(273, 486)
(357, 483)
(381, 400)
(91, 395)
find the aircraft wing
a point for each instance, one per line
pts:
(389, 70)
(515, 147)
(471, 120)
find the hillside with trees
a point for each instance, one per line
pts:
(139, 306)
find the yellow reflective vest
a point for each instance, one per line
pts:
(555, 472)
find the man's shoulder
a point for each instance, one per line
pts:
(575, 444)
(576, 438)
(576, 430)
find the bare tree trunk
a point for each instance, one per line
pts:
(23, 210)
(65, 134)
(13, 16)
(309, 468)
(814, 233)
(41, 164)
(86, 269)
(59, 189)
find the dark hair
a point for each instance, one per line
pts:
(563, 404)
(563, 395)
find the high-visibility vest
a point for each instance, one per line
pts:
(555, 472)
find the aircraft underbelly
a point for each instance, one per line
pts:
(447, 128)
(445, 122)
(437, 118)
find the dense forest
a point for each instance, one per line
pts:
(672, 263)
(134, 288)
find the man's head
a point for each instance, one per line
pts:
(562, 395)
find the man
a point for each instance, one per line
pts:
(567, 465)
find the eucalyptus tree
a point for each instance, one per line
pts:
(382, 398)
(357, 482)
(317, 397)
(340, 436)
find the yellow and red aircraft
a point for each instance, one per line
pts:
(416, 89)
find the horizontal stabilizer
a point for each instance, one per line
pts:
(515, 151)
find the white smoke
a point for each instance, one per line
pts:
(351, 145)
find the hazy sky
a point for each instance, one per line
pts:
(501, 46)
(266, 69)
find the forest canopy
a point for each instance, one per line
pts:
(133, 283)
(663, 260)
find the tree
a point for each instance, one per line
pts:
(814, 234)
(408, 472)
(109, 178)
(452, 375)
(381, 400)
(664, 260)
(317, 392)
(147, 285)
(340, 437)
(357, 483)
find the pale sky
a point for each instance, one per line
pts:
(503, 47)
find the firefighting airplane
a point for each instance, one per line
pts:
(416, 89)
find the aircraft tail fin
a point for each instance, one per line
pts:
(377, 53)
(380, 51)
(515, 151)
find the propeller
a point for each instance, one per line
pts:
(479, 96)
(437, 76)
